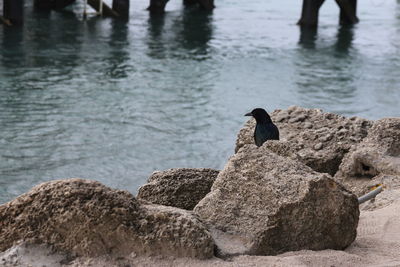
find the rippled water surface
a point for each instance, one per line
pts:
(114, 101)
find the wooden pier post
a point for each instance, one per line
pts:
(348, 11)
(14, 11)
(121, 7)
(157, 6)
(309, 13)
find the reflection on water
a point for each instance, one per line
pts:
(345, 38)
(114, 100)
(12, 38)
(190, 30)
(156, 41)
(308, 36)
(196, 30)
(118, 65)
(326, 75)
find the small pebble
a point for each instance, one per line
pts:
(308, 125)
(318, 146)
(326, 138)
(280, 118)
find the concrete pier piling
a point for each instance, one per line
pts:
(309, 13)
(14, 11)
(190, 2)
(348, 11)
(205, 4)
(52, 4)
(157, 6)
(43, 4)
(121, 7)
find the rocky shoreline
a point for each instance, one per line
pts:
(291, 202)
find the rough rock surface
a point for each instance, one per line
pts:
(86, 218)
(377, 244)
(318, 139)
(266, 204)
(376, 160)
(182, 188)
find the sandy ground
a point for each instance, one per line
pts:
(377, 244)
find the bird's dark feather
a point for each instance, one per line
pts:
(265, 128)
(264, 132)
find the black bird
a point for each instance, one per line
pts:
(265, 128)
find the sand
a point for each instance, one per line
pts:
(377, 244)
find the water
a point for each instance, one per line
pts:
(114, 101)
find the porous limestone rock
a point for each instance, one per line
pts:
(86, 218)
(376, 160)
(182, 188)
(264, 204)
(316, 138)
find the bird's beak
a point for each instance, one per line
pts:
(248, 114)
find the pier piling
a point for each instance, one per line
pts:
(43, 4)
(14, 11)
(51, 4)
(121, 7)
(348, 11)
(190, 2)
(309, 13)
(157, 6)
(207, 4)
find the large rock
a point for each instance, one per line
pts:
(86, 218)
(375, 160)
(318, 139)
(182, 188)
(265, 204)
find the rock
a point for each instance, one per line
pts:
(374, 159)
(33, 255)
(181, 188)
(264, 204)
(302, 131)
(175, 232)
(86, 218)
(308, 125)
(319, 146)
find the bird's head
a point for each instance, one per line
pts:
(260, 115)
